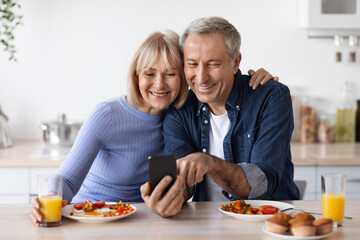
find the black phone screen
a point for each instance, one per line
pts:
(159, 167)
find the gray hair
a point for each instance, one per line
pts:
(213, 25)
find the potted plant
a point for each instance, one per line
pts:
(9, 20)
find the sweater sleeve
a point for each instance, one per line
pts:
(92, 136)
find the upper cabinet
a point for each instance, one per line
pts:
(329, 17)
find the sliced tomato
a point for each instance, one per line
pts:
(79, 206)
(254, 210)
(87, 201)
(99, 204)
(269, 209)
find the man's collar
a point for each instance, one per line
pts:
(234, 99)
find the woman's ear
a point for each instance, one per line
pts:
(236, 63)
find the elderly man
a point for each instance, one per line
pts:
(232, 142)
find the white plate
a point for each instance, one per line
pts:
(92, 219)
(291, 237)
(258, 203)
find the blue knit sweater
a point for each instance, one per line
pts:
(108, 160)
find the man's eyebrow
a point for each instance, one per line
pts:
(214, 60)
(189, 59)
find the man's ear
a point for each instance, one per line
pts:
(236, 63)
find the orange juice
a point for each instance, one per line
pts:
(50, 208)
(333, 206)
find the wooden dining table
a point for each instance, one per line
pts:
(197, 220)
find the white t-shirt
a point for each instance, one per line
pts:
(219, 127)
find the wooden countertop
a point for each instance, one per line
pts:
(198, 220)
(336, 154)
(20, 156)
(332, 154)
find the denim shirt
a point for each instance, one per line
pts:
(261, 126)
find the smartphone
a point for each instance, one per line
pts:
(159, 167)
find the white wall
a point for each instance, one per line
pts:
(73, 54)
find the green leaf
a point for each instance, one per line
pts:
(9, 20)
(5, 43)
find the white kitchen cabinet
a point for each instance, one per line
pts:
(14, 198)
(312, 175)
(13, 179)
(330, 16)
(18, 185)
(352, 179)
(307, 173)
(34, 172)
(14, 185)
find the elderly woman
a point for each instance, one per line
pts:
(108, 161)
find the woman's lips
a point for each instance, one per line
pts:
(159, 94)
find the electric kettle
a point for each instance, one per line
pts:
(5, 138)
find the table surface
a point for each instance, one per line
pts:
(198, 220)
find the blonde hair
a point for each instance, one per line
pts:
(157, 46)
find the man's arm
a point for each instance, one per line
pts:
(268, 154)
(228, 175)
(193, 165)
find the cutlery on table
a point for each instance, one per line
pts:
(287, 209)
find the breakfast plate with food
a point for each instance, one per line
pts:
(299, 226)
(254, 210)
(95, 212)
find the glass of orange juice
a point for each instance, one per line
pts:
(333, 190)
(50, 189)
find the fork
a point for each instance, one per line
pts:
(298, 209)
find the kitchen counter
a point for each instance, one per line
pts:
(302, 154)
(198, 220)
(331, 154)
(20, 155)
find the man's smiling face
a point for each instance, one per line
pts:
(208, 68)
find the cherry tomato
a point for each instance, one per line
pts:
(79, 206)
(99, 204)
(254, 210)
(268, 209)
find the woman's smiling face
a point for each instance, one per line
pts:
(159, 87)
